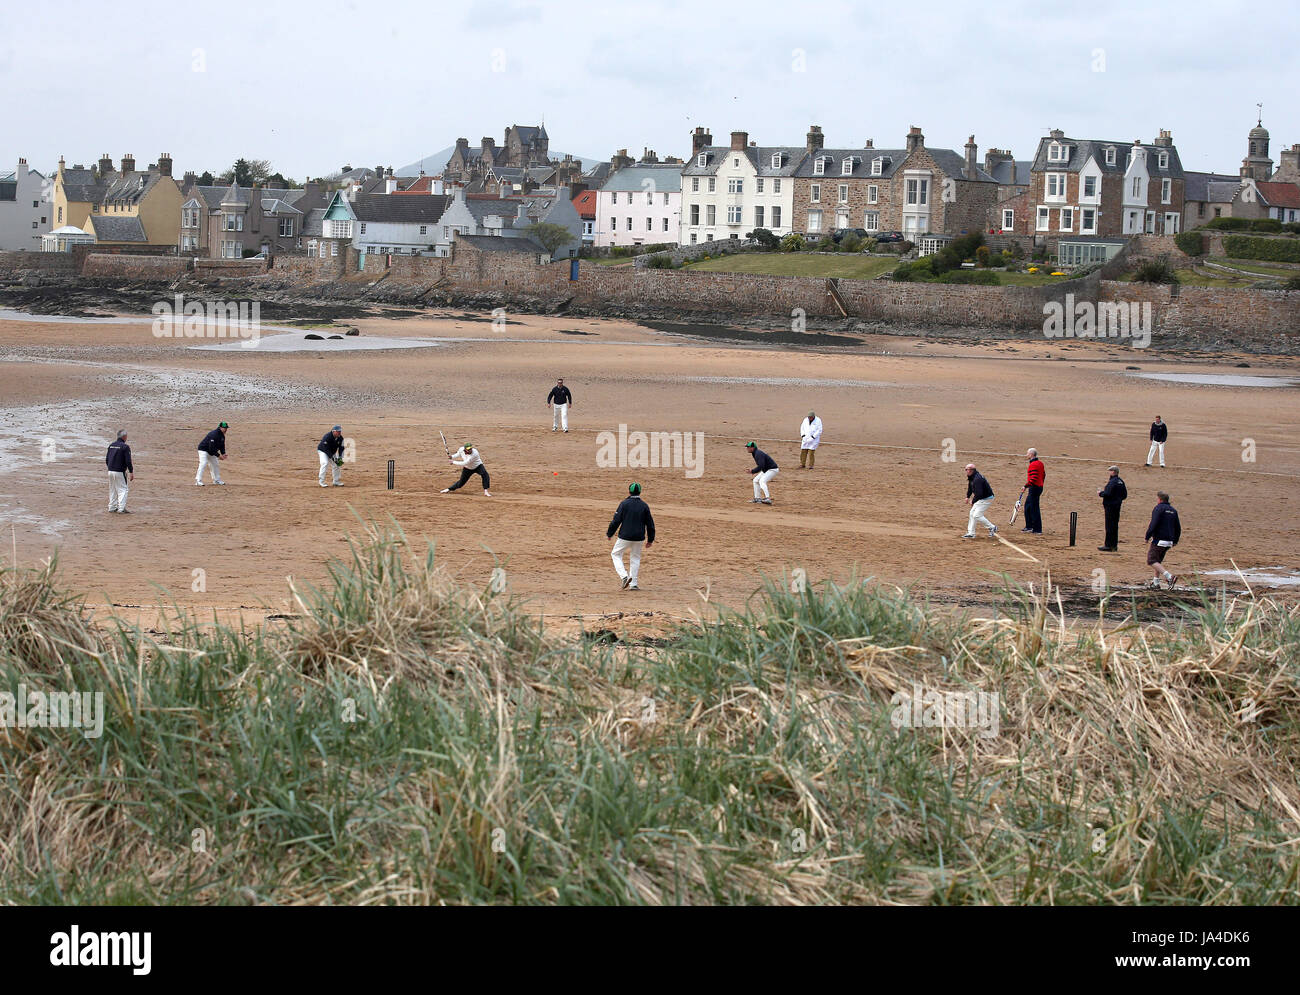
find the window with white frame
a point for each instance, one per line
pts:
(665, 199)
(758, 184)
(1110, 156)
(1171, 222)
(1088, 221)
(733, 214)
(629, 224)
(665, 224)
(918, 192)
(693, 238)
(846, 167)
(695, 184)
(229, 250)
(776, 217)
(1163, 160)
(649, 197)
(1067, 219)
(819, 166)
(1044, 218)
(776, 186)
(735, 163)
(713, 185)
(1008, 219)
(1151, 223)
(816, 195)
(1055, 186)
(286, 228)
(1090, 186)
(613, 224)
(702, 159)
(334, 248)
(649, 224)
(871, 221)
(1056, 153)
(736, 185)
(844, 195)
(1166, 191)
(776, 160)
(695, 214)
(814, 221)
(758, 217)
(710, 215)
(877, 166)
(1137, 186)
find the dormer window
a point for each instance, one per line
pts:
(702, 160)
(1164, 160)
(776, 160)
(877, 166)
(819, 166)
(1110, 156)
(1056, 153)
(846, 167)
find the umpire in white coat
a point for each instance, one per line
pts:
(810, 437)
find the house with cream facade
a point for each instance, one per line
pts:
(729, 190)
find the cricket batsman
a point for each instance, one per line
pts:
(330, 451)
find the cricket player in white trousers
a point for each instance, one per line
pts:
(120, 473)
(979, 495)
(468, 460)
(560, 397)
(211, 449)
(636, 528)
(810, 437)
(764, 470)
(1159, 433)
(330, 450)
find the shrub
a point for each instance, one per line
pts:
(945, 259)
(983, 256)
(851, 243)
(1191, 243)
(1292, 284)
(660, 262)
(905, 246)
(1039, 254)
(1278, 250)
(765, 238)
(1271, 226)
(793, 242)
(1015, 251)
(980, 276)
(870, 245)
(826, 244)
(620, 251)
(1292, 226)
(1155, 271)
(1229, 224)
(966, 246)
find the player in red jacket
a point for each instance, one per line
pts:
(1032, 491)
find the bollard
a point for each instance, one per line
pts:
(392, 473)
(1074, 524)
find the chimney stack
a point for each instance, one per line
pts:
(1288, 165)
(165, 164)
(739, 139)
(700, 140)
(1056, 133)
(814, 140)
(915, 140)
(1165, 140)
(994, 156)
(128, 163)
(105, 165)
(971, 158)
(871, 144)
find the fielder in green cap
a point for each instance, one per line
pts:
(636, 528)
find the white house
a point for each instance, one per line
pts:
(510, 217)
(729, 191)
(640, 205)
(25, 208)
(385, 223)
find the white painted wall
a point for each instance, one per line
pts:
(17, 216)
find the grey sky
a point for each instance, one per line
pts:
(312, 86)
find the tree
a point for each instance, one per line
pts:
(765, 238)
(207, 179)
(551, 237)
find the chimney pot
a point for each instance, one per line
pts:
(739, 139)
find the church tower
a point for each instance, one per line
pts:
(1257, 165)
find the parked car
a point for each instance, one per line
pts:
(839, 234)
(887, 236)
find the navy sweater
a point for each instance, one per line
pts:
(633, 521)
(1164, 524)
(764, 461)
(214, 443)
(977, 488)
(119, 457)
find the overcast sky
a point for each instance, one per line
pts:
(312, 86)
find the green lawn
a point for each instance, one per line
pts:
(849, 266)
(1263, 269)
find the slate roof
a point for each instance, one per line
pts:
(118, 229)
(313, 223)
(666, 178)
(1196, 185)
(214, 197)
(274, 205)
(1012, 173)
(1081, 150)
(528, 133)
(761, 157)
(498, 243)
(597, 174)
(481, 207)
(400, 210)
(82, 186)
(1220, 191)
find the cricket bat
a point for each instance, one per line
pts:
(444, 445)
(1016, 510)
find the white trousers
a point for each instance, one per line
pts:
(1151, 453)
(213, 465)
(634, 547)
(760, 482)
(117, 488)
(325, 462)
(561, 417)
(977, 515)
